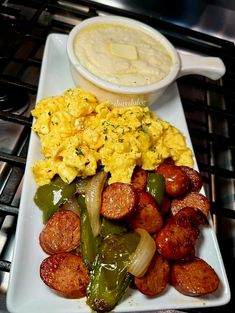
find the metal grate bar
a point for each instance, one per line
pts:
(216, 170)
(13, 159)
(10, 117)
(8, 209)
(219, 210)
(200, 106)
(5, 266)
(212, 137)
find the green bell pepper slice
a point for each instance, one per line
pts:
(110, 278)
(51, 196)
(109, 227)
(89, 243)
(156, 186)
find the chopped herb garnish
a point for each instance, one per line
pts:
(141, 128)
(78, 151)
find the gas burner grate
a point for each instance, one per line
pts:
(208, 106)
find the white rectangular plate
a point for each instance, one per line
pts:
(27, 293)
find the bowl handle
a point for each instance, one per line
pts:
(210, 67)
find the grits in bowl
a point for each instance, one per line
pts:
(122, 55)
(123, 60)
(78, 133)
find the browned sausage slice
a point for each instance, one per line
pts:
(195, 177)
(165, 206)
(194, 278)
(147, 214)
(176, 240)
(119, 200)
(66, 274)
(61, 233)
(191, 199)
(156, 278)
(176, 180)
(139, 179)
(189, 216)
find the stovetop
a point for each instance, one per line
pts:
(208, 105)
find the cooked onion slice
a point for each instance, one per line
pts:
(71, 205)
(143, 254)
(81, 185)
(93, 194)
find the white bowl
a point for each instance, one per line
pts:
(183, 64)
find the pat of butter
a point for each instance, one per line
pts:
(124, 51)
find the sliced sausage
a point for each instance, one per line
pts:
(66, 274)
(156, 278)
(147, 214)
(189, 216)
(165, 207)
(196, 180)
(139, 179)
(176, 180)
(119, 200)
(194, 278)
(176, 240)
(61, 233)
(191, 199)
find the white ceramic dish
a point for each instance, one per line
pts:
(27, 293)
(182, 64)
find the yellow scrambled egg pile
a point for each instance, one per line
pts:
(77, 133)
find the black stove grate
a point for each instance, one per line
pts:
(208, 105)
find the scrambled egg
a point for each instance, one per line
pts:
(77, 133)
